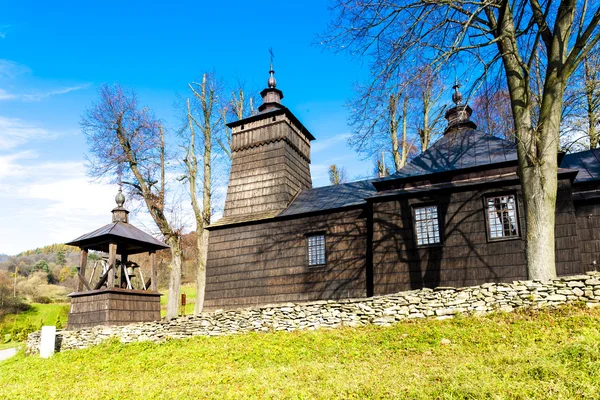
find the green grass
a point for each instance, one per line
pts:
(190, 293)
(525, 355)
(36, 316)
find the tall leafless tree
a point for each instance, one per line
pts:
(492, 110)
(582, 124)
(427, 88)
(124, 138)
(496, 34)
(206, 118)
(337, 175)
(240, 106)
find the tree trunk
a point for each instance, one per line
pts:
(540, 183)
(174, 277)
(404, 133)
(202, 243)
(591, 89)
(392, 105)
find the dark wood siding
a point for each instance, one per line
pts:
(270, 164)
(267, 262)
(466, 257)
(588, 233)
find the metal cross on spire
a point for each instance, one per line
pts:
(457, 95)
(272, 82)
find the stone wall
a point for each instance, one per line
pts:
(442, 302)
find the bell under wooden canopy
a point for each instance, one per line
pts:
(128, 238)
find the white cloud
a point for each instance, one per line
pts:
(4, 95)
(3, 31)
(11, 69)
(48, 202)
(39, 96)
(11, 75)
(324, 144)
(15, 131)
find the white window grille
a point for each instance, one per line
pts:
(316, 250)
(502, 217)
(427, 227)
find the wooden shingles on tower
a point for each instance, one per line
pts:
(270, 160)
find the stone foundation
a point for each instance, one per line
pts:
(385, 310)
(113, 307)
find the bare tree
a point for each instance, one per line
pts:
(591, 73)
(495, 34)
(208, 119)
(492, 111)
(239, 108)
(582, 124)
(402, 147)
(427, 89)
(381, 170)
(121, 134)
(337, 175)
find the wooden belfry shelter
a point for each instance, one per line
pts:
(119, 295)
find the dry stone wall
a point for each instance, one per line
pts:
(441, 303)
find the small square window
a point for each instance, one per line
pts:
(501, 214)
(427, 226)
(316, 250)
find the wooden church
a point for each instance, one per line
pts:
(453, 216)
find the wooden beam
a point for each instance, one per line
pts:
(103, 278)
(123, 271)
(82, 264)
(112, 264)
(153, 271)
(83, 282)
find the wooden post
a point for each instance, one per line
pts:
(153, 271)
(123, 271)
(112, 262)
(82, 264)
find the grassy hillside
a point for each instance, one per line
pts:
(30, 320)
(540, 355)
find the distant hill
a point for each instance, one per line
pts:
(3, 257)
(53, 248)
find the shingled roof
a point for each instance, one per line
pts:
(461, 149)
(587, 162)
(330, 197)
(129, 239)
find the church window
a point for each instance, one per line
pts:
(427, 226)
(316, 249)
(501, 218)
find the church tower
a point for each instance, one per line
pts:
(270, 159)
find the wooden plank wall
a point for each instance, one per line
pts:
(267, 262)
(466, 257)
(588, 233)
(112, 308)
(270, 165)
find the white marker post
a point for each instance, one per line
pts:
(47, 341)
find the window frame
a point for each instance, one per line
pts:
(307, 237)
(486, 216)
(414, 207)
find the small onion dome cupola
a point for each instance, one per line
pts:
(459, 116)
(120, 214)
(271, 95)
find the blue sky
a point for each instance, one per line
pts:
(54, 55)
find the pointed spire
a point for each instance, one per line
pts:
(119, 213)
(459, 116)
(271, 95)
(120, 198)
(272, 82)
(457, 95)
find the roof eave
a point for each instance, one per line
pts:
(274, 112)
